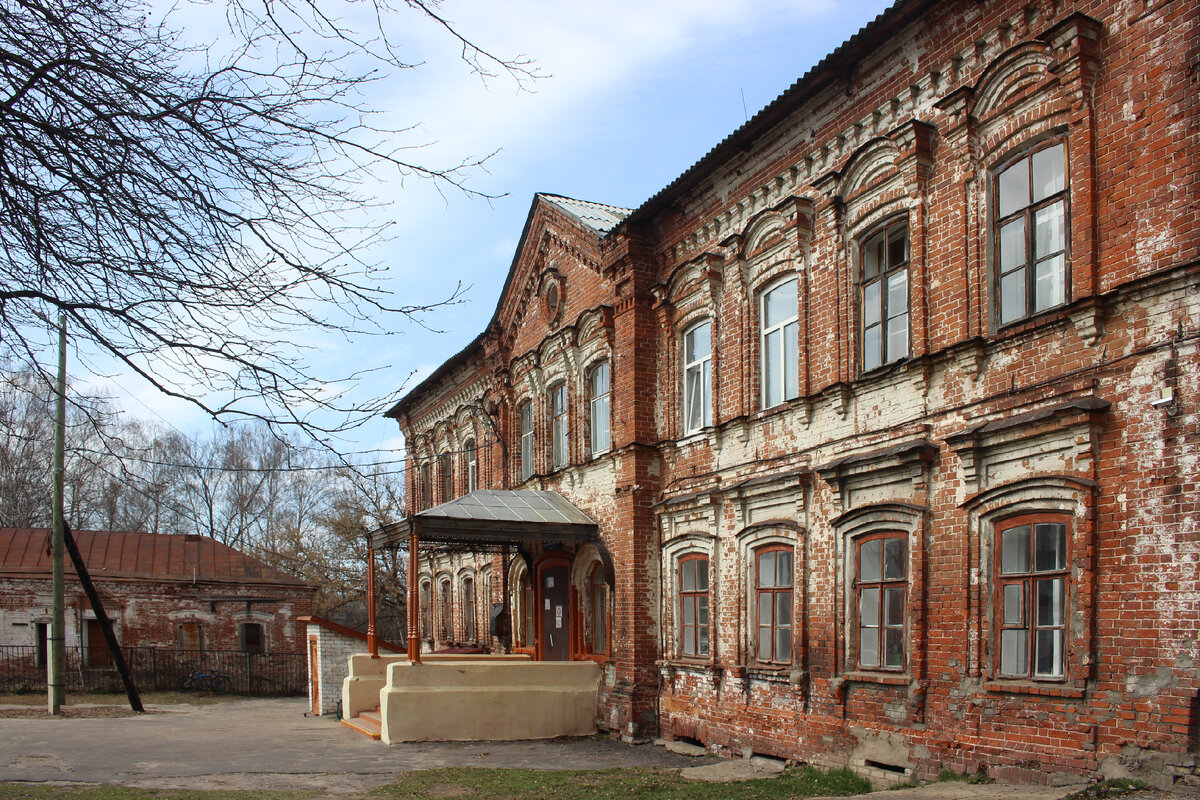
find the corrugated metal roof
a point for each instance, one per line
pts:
(123, 554)
(596, 216)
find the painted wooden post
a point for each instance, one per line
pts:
(372, 639)
(414, 598)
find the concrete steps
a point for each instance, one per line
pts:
(368, 723)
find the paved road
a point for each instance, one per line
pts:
(273, 744)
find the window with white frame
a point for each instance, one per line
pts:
(780, 344)
(599, 407)
(883, 292)
(693, 605)
(881, 592)
(526, 415)
(1032, 582)
(697, 377)
(558, 425)
(1031, 219)
(472, 465)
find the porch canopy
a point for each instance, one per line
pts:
(490, 518)
(486, 519)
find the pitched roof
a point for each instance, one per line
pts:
(597, 216)
(123, 554)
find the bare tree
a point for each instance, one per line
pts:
(186, 207)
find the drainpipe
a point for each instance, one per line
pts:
(372, 638)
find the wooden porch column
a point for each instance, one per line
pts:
(414, 599)
(372, 638)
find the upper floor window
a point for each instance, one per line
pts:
(425, 485)
(598, 594)
(1031, 233)
(472, 465)
(599, 407)
(881, 590)
(773, 600)
(693, 605)
(526, 413)
(558, 425)
(780, 344)
(446, 473)
(884, 295)
(697, 377)
(468, 609)
(1032, 580)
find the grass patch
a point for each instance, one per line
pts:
(631, 784)
(30, 791)
(1109, 787)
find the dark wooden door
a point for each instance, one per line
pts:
(97, 647)
(556, 615)
(314, 675)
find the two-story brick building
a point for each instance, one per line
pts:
(884, 411)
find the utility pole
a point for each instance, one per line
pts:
(56, 664)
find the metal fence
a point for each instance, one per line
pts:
(22, 669)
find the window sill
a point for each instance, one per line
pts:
(885, 678)
(1029, 687)
(1035, 320)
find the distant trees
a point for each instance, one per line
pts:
(299, 509)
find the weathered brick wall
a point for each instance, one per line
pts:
(1085, 413)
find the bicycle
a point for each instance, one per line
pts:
(199, 681)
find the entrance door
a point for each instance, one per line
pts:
(556, 614)
(314, 676)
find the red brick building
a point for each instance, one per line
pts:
(180, 592)
(886, 411)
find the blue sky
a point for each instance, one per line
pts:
(637, 91)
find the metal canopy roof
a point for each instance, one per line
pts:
(489, 517)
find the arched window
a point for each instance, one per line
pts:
(1030, 224)
(697, 377)
(598, 595)
(780, 355)
(693, 605)
(599, 407)
(881, 592)
(773, 603)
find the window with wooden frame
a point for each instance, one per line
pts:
(425, 486)
(1030, 602)
(780, 343)
(527, 610)
(191, 636)
(773, 604)
(883, 295)
(447, 629)
(468, 609)
(525, 412)
(881, 600)
(693, 606)
(599, 407)
(446, 474)
(1030, 220)
(697, 377)
(598, 596)
(559, 452)
(251, 637)
(472, 465)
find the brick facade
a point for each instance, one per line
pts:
(952, 287)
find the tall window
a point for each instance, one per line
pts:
(599, 406)
(1031, 233)
(1031, 592)
(526, 413)
(472, 465)
(773, 591)
(780, 344)
(252, 638)
(598, 594)
(426, 610)
(884, 288)
(558, 425)
(693, 605)
(526, 637)
(446, 473)
(697, 377)
(880, 592)
(447, 613)
(468, 609)
(425, 486)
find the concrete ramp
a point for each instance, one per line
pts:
(478, 700)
